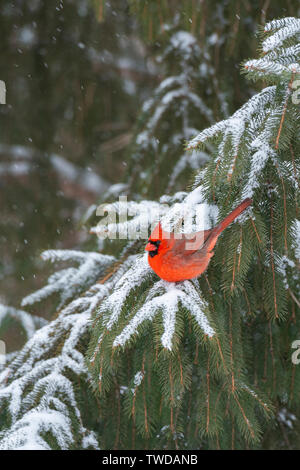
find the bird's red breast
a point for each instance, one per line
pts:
(177, 259)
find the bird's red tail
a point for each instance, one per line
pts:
(227, 221)
(230, 218)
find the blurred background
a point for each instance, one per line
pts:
(75, 79)
(78, 73)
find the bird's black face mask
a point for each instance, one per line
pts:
(156, 244)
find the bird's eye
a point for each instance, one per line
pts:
(155, 243)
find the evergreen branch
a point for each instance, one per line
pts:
(294, 298)
(272, 260)
(289, 90)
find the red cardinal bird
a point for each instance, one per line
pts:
(170, 257)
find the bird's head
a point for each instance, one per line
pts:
(153, 247)
(157, 242)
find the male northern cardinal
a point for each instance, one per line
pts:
(171, 258)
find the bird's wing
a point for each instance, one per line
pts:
(189, 243)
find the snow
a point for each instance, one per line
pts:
(138, 219)
(183, 40)
(167, 302)
(70, 281)
(237, 122)
(88, 180)
(29, 323)
(143, 213)
(213, 39)
(23, 164)
(282, 263)
(296, 241)
(16, 169)
(26, 435)
(276, 40)
(287, 418)
(33, 412)
(26, 36)
(167, 100)
(138, 378)
(53, 408)
(194, 215)
(262, 153)
(36, 391)
(139, 272)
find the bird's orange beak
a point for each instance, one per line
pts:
(150, 247)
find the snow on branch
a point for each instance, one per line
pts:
(238, 121)
(263, 67)
(281, 51)
(27, 433)
(262, 152)
(29, 323)
(277, 61)
(169, 94)
(287, 56)
(252, 136)
(284, 29)
(274, 25)
(140, 214)
(19, 160)
(41, 398)
(163, 297)
(138, 219)
(166, 298)
(70, 281)
(139, 271)
(296, 238)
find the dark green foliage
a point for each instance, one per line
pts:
(223, 391)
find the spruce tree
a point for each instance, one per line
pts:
(131, 361)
